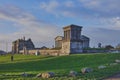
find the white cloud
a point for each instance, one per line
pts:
(69, 4)
(105, 12)
(29, 26)
(91, 3)
(116, 22)
(59, 8)
(110, 23)
(105, 8)
(49, 7)
(83, 8)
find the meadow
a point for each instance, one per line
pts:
(61, 65)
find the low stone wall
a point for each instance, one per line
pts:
(95, 51)
(33, 52)
(44, 52)
(52, 52)
(101, 51)
(114, 51)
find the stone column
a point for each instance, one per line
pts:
(78, 34)
(73, 34)
(68, 34)
(65, 35)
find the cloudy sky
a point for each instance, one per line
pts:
(42, 20)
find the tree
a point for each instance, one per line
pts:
(118, 46)
(99, 45)
(108, 47)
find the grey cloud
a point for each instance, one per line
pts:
(105, 36)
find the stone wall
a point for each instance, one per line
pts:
(33, 51)
(44, 52)
(66, 47)
(95, 51)
(51, 52)
(76, 47)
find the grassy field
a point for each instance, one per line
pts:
(61, 65)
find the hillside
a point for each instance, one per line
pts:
(61, 65)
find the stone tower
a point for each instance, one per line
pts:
(72, 42)
(58, 42)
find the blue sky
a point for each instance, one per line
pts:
(42, 20)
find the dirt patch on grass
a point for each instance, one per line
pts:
(114, 77)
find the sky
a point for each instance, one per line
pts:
(43, 20)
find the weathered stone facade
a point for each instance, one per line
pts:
(22, 44)
(71, 42)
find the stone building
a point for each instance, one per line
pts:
(71, 42)
(22, 44)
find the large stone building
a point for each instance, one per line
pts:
(22, 44)
(71, 42)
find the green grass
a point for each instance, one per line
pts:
(61, 65)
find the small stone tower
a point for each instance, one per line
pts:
(58, 42)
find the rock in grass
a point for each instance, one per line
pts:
(52, 74)
(101, 67)
(39, 75)
(24, 74)
(117, 61)
(86, 70)
(112, 64)
(48, 75)
(73, 73)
